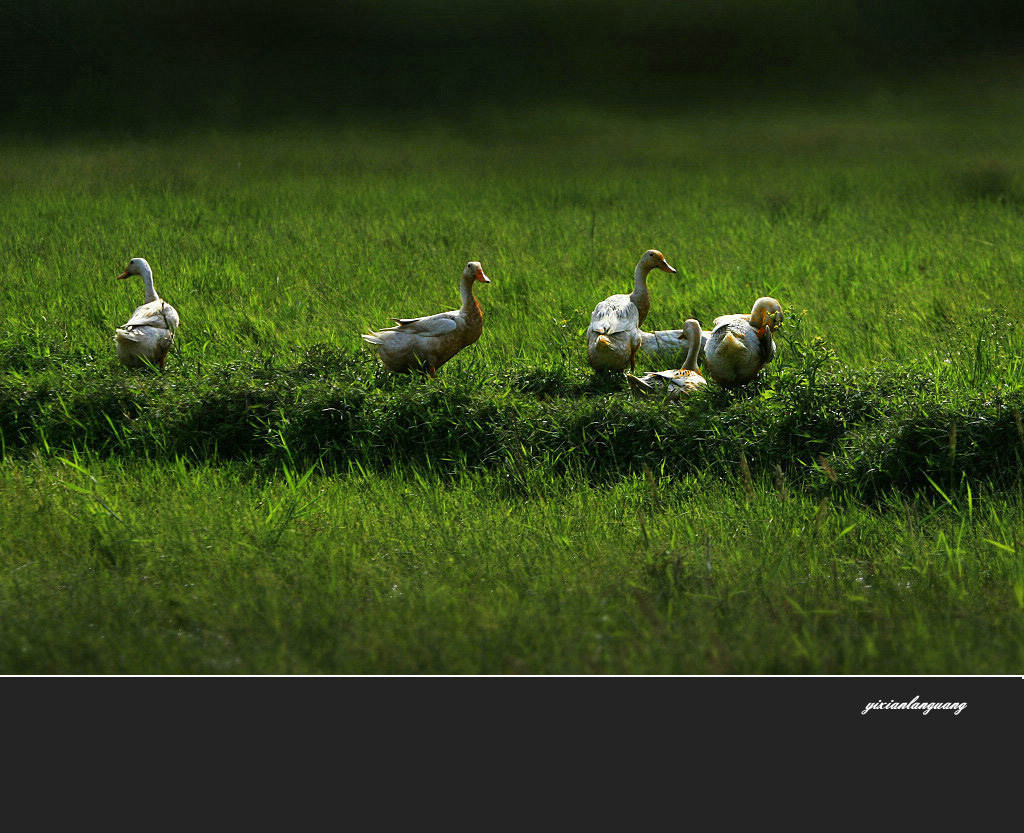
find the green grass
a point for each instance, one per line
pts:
(276, 503)
(210, 570)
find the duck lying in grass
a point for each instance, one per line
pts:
(149, 334)
(740, 345)
(427, 343)
(673, 383)
(670, 345)
(613, 336)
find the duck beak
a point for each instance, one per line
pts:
(124, 275)
(480, 276)
(664, 267)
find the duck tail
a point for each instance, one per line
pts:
(638, 386)
(731, 344)
(125, 336)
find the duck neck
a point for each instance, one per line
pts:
(757, 317)
(147, 280)
(470, 305)
(640, 296)
(691, 354)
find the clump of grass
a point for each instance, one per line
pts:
(939, 441)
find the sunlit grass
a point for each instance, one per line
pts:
(119, 568)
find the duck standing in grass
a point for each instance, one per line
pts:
(740, 345)
(674, 382)
(149, 334)
(613, 336)
(427, 343)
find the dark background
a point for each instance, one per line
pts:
(116, 64)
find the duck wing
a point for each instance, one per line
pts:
(154, 314)
(614, 315)
(667, 375)
(428, 325)
(735, 318)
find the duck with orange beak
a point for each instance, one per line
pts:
(740, 345)
(613, 336)
(427, 343)
(148, 335)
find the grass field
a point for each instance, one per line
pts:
(274, 503)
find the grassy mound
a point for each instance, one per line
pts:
(810, 419)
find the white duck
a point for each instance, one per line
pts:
(740, 345)
(149, 333)
(427, 343)
(670, 345)
(613, 336)
(674, 382)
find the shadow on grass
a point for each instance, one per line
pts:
(991, 182)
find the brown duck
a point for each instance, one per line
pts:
(427, 343)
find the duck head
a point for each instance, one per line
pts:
(474, 272)
(766, 316)
(692, 331)
(136, 266)
(653, 259)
